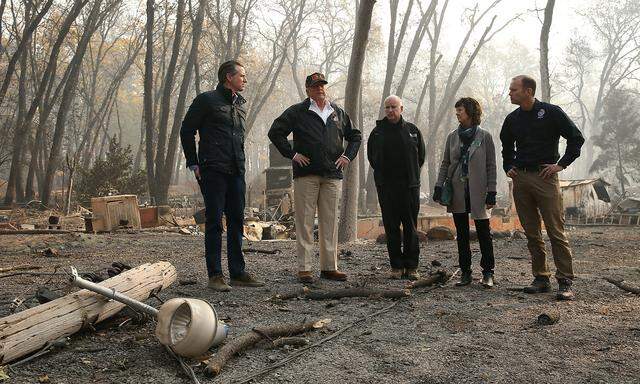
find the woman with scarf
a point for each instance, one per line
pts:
(468, 173)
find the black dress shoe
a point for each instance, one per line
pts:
(465, 279)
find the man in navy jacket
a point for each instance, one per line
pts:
(218, 117)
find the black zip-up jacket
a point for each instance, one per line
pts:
(322, 144)
(530, 138)
(413, 148)
(220, 123)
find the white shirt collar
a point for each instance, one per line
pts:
(324, 113)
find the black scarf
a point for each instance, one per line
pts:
(466, 138)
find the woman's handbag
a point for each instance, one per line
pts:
(447, 189)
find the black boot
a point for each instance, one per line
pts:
(465, 279)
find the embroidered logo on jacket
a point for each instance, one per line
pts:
(541, 113)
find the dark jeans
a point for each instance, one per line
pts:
(400, 205)
(483, 229)
(223, 193)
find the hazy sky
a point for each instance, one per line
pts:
(526, 30)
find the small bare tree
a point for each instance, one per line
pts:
(441, 101)
(545, 84)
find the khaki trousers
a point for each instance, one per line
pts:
(538, 198)
(309, 193)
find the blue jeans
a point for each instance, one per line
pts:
(223, 193)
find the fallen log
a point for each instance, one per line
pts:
(290, 295)
(19, 268)
(357, 292)
(34, 232)
(249, 339)
(266, 251)
(32, 329)
(316, 294)
(292, 341)
(622, 285)
(439, 277)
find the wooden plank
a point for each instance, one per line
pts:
(30, 330)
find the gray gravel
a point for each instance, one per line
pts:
(446, 335)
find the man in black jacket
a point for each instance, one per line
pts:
(218, 117)
(396, 153)
(319, 130)
(530, 137)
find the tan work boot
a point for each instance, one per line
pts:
(564, 290)
(333, 275)
(305, 277)
(487, 279)
(539, 285)
(396, 273)
(412, 274)
(217, 283)
(246, 280)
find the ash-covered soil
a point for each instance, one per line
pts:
(443, 335)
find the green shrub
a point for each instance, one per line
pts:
(112, 176)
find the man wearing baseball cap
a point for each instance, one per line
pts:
(319, 155)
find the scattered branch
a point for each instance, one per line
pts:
(250, 339)
(266, 251)
(19, 268)
(622, 285)
(317, 343)
(341, 293)
(439, 277)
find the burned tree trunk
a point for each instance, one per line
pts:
(349, 211)
(394, 47)
(172, 149)
(544, 51)
(163, 172)
(68, 95)
(147, 112)
(29, 29)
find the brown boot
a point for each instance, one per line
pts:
(305, 277)
(246, 280)
(396, 273)
(333, 275)
(217, 283)
(539, 285)
(564, 290)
